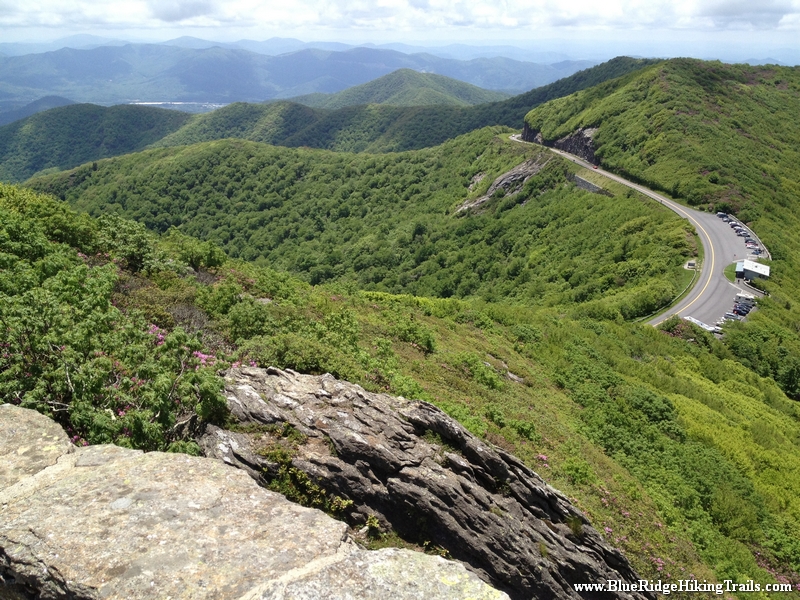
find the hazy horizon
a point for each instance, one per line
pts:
(596, 49)
(579, 29)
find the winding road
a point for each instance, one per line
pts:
(712, 295)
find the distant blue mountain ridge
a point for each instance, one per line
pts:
(172, 73)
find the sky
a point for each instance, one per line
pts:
(752, 28)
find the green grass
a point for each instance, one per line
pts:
(689, 275)
(686, 284)
(730, 272)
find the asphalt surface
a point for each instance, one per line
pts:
(712, 294)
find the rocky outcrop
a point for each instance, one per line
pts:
(532, 135)
(580, 143)
(409, 467)
(510, 182)
(111, 523)
(583, 184)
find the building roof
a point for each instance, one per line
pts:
(755, 267)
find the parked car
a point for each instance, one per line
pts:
(729, 316)
(744, 298)
(722, 215)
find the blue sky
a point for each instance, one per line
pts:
(655, 27)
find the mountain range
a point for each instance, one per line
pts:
(489, 277)
(276, 45)
(53, 139)
(150, 72)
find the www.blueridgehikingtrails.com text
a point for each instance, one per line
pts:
(681, 585)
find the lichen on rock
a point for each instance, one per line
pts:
(408, 467)
(108, 522)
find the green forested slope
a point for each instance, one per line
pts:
(405, 87)
(722, 137)
(388, 222)
(381, 128)
(68, 136)
(683, 449)
(683, 458)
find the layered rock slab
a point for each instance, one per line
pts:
(419, 472)
(108, 522)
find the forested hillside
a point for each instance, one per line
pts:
(70, 136)
(64, 137)
(389, 222)
(683, 458)
(725, 137)
(432, 274)
(405, 87)
(382, 128)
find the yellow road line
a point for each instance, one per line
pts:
(672, 206)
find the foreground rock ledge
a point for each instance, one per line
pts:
(417, 471)
(106, 522)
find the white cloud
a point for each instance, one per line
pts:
(764, 14)
(175, 11)
(473, 17)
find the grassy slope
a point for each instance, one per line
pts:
(717, 136)
(405, 87)
(388, 222)
(685, 459)
(68, 136)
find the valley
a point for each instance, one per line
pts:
(66, 138)
(509, 286)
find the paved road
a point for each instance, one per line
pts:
(712, 295)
